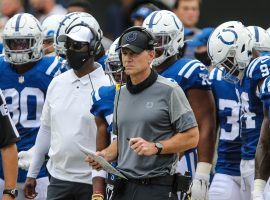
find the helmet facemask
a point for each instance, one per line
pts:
(21, 50)
(166, 46)
(233, 73)
(114, 69)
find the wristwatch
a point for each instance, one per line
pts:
(159, 147)
(12, 192)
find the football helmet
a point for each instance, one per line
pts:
(89, 21)
(63, 26)
(50, 25)
(22, 39)
(169, 34)
(113, 64)
(230, 46)
(260, 38)
(70, 20)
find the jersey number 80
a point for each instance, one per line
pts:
(25, 107)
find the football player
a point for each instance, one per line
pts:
(262, 165)
(260, 40)
(50, 26)
(24, 79)
(226, 183)
(192, 76)
(102, 109)
(230, 46)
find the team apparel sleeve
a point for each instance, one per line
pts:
(42, 147)
(181, 114)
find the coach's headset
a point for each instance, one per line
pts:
(150, 44)
(94, 43)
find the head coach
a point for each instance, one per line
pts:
(153, 121)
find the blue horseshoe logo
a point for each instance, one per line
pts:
(131, 37)
(228, 42)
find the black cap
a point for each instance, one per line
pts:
(136, 41)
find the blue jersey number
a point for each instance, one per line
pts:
(232, 119)
(25, 106)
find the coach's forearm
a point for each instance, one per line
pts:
(10, 165)
(181, 142)
(110, 153)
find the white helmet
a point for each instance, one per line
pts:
(63, 26)
(50, 25)
(230, 45)
(169, 34)
(112, 63)
(260, 38)
(89, 21)
(70, 20)
(24, 31)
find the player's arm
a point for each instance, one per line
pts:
(102, 141)
(262, 157)
(203, 104)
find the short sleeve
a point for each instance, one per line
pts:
(181, 114)
(8, 131)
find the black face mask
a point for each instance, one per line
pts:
(203, 57)
(77, 59)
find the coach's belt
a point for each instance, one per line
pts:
(161, 180)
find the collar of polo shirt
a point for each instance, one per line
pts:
(85, 79)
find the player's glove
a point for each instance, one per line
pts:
(200, 183)
(257, 193)
(25, 158)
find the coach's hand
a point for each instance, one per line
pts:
(95, 165)
(30, 188)
(143, 147)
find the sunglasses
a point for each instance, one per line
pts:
(75, 45)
